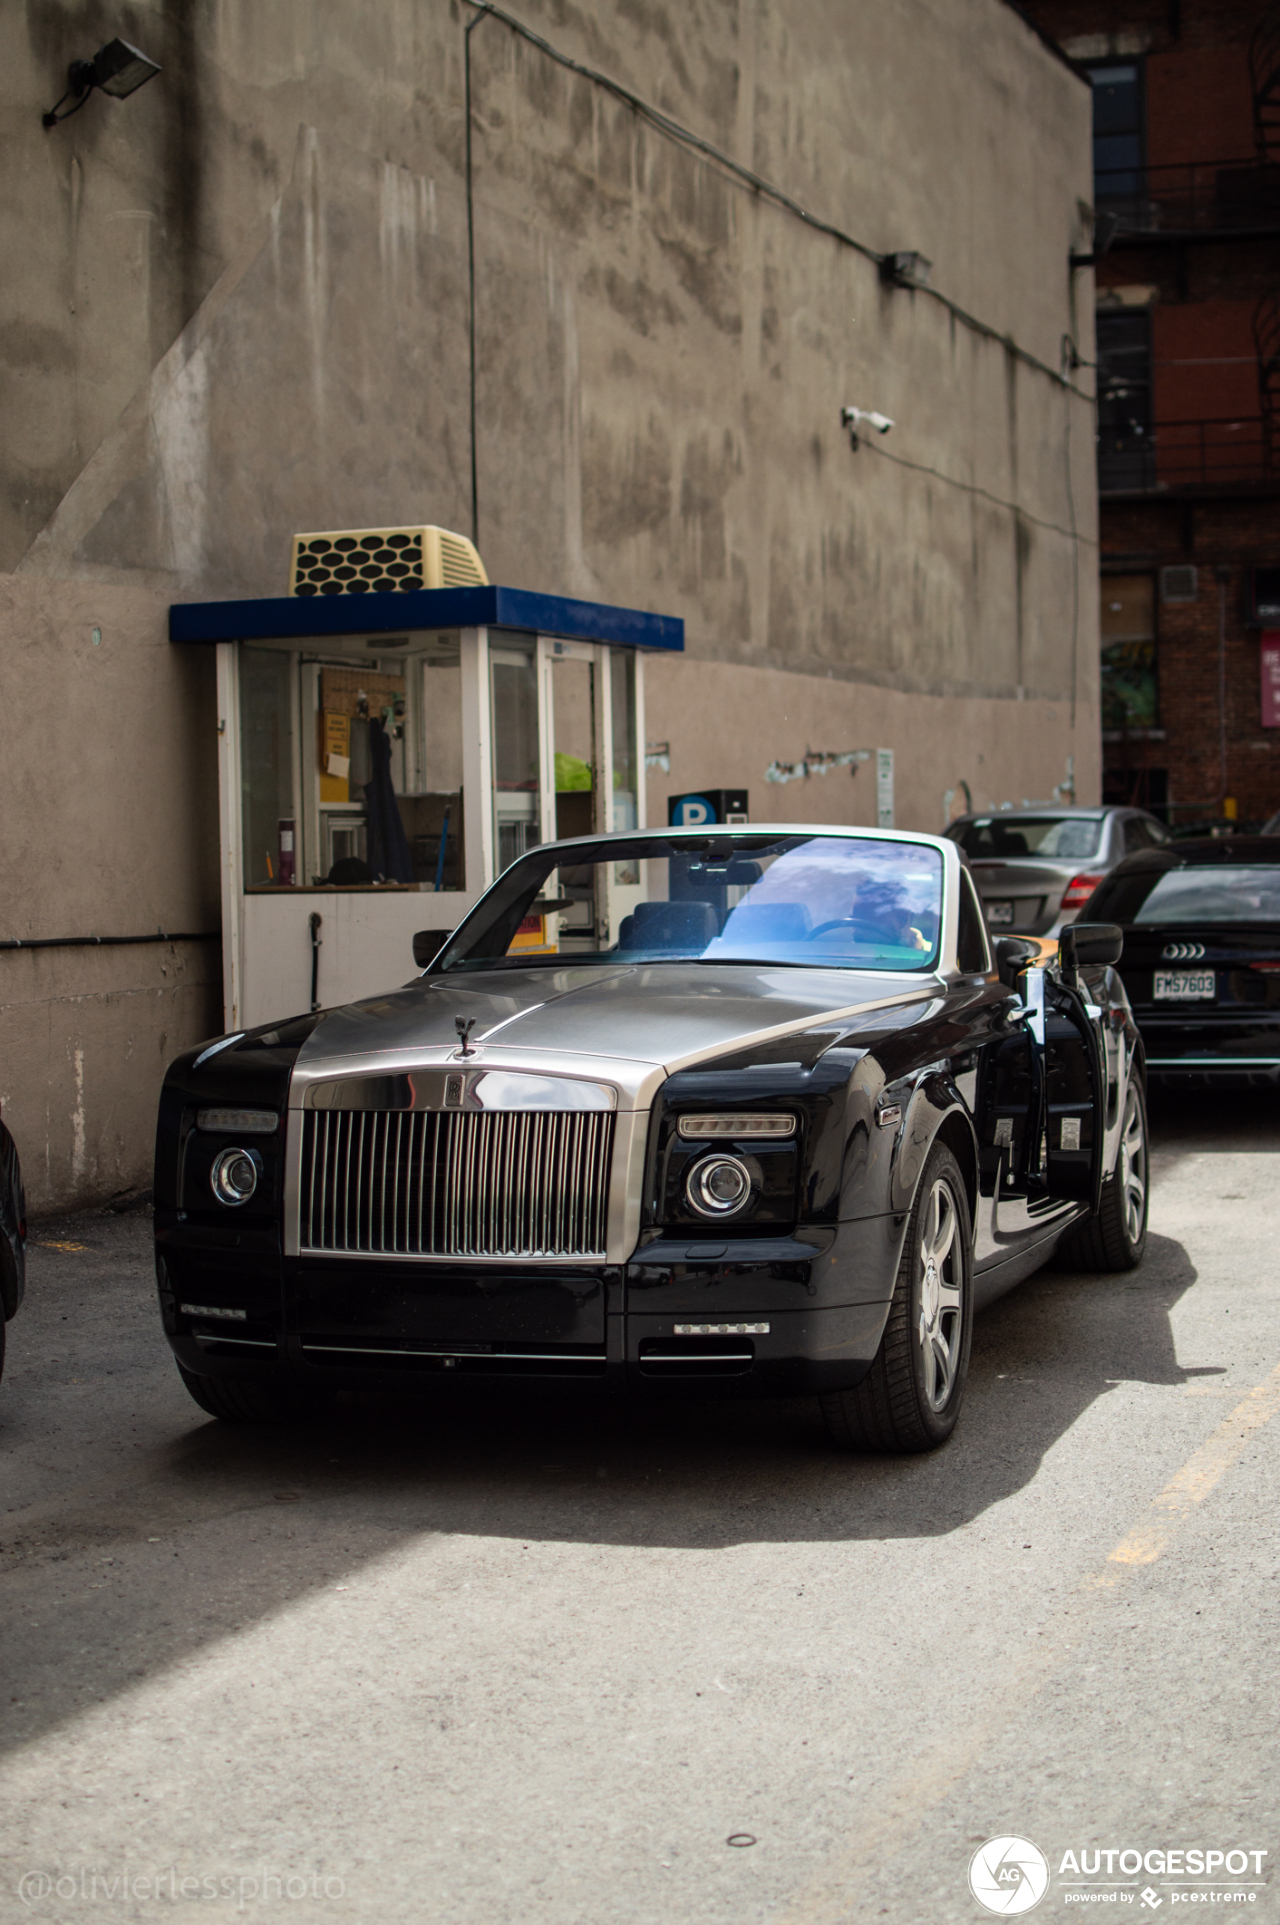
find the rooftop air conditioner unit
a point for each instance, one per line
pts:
(380, 561)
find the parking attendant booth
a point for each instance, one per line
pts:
(383, 756)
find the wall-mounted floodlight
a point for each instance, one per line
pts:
(854, 418)
(116, 69)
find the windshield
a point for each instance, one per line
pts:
(998, 837)
(1221, 893)
(825, 901)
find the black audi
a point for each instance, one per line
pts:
(1201, 959)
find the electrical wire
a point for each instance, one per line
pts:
(685, 137)
(972, 488)
(54, 119)
(94, 942)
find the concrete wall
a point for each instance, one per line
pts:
(724, 725)
(238, 308)
(109, 805)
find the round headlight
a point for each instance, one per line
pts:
(234, 1176)
(719, 1186)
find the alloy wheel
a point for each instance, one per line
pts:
(1133, 1166)
(940, 1328)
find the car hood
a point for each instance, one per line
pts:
(665, 1015)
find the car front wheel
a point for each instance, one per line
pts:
(910, 1399)
(250, 1400)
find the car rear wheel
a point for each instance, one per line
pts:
(910, 1399)
(248, 1400)
(1116, 1237)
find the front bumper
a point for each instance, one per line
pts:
(788, 1317)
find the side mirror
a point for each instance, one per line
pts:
(1082, 943)
(427, 945)
(1013, 953)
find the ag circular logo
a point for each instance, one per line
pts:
(1008, 1875)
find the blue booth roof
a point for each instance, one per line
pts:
(286, 617)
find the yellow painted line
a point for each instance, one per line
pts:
(887, 1823)
(63, 1246)
(1201, 1473)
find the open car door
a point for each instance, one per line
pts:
(1042, 1101)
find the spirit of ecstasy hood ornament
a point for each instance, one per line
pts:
(464, 1027)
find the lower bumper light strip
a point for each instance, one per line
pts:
(659, 1359)
(467, 1356)
(238, 1343)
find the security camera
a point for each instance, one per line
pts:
(853, 419)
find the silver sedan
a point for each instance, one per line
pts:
(1035, 869)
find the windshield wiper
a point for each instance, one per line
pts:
(754, 962)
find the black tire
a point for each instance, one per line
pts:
(1116, 1238)
(910, 1399)
(248, 1400)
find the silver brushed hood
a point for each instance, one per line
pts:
(663, 1014)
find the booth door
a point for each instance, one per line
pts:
(565, 730)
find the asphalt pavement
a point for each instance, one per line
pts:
(478, 1663)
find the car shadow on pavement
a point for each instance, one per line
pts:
(210, 1529)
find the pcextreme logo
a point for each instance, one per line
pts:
(1008, 1875)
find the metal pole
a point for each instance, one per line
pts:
(316, 920)
(471, 280)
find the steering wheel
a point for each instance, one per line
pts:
(860, 931)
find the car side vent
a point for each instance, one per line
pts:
(1180, 583)
(383, 561)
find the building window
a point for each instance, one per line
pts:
(1119, 133)
(1126, 450)
(1128, 653)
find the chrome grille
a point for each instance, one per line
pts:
(455, 1184)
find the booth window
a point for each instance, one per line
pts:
(516, 793)
(267, 769)
(626, 783)
(351, 772)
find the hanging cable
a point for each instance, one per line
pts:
(970, 488)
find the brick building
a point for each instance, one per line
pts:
(1187, 276)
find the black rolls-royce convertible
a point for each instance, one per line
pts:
(750, 1109)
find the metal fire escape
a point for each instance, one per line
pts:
(1264, 70)
(1266, 336)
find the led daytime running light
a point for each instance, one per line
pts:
(698, 1128)
(250, 1122)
